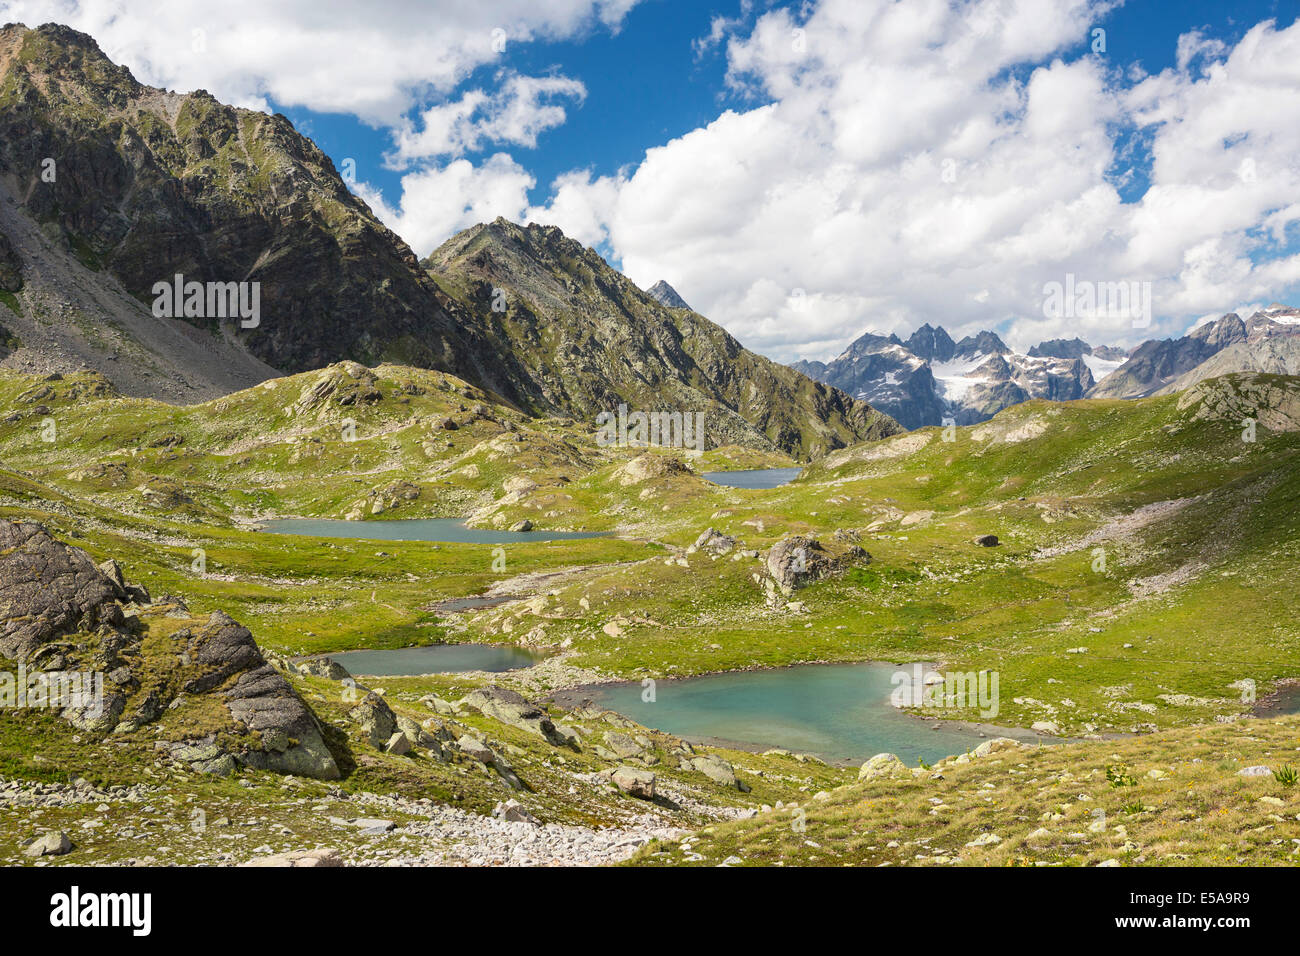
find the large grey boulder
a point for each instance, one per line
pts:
(799, 560)
(512, 708)
(376, 718)
(50, 843)
(712, 541)
(478, 751)
(47, 590)
(717, 770)
(634, 782)
(259, 698)
(323, 667)
(882, 765)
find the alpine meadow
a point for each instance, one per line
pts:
(650, 434)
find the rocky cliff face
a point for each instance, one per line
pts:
(591, 340)
(11, 267)
(145, 184)
(930, 379)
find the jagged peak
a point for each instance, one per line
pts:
(665, 294)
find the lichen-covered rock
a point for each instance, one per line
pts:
(718, 770)
(650, 466)
(882, 765)
(47, 590)
(511, 707)
(712, 541)
(376, 719)
(634, 782)
(799, 560)
(260, 699)
(323, 667)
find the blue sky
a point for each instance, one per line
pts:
(647, 84)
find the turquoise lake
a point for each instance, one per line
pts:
(840, 712)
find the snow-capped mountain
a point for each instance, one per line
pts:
(1269, 341)
(929, 379)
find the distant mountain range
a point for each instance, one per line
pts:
(929, 379)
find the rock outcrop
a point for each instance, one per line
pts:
(47, 590)
(59, 613)
(799, 560)
(512, 708)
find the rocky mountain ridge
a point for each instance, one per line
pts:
(591, 340)
(1268, 341)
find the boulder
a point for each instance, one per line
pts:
(799, 560)
(323, 667)
(650, 466)
(259, 698)
(475, 749)
(718, 770)
(47, 590)
(512, 708)
(986, 540)
(512, 811)
(712, 541)
(624, 746)
(882, 765)
(1259, 770)
(418, 736)
(634, 782)
(996, 745)
(50, 843)
(376, 718)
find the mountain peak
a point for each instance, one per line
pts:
(932, 343)
(985, 343)
(665, 294)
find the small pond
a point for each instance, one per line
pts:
(753, 479)
(436, 659)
